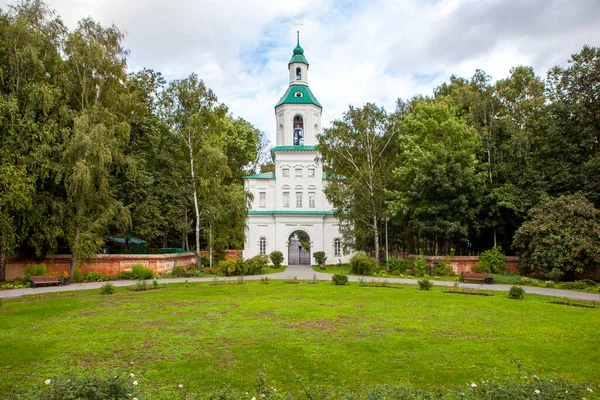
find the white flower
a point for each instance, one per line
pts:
(134, 383)
(47, 381)
(135, 398)
(180, 386)
(473, 385)
(128, 394)
(254, 398)
(262, 395)
(590, 390)
(536, 391)
(132, 375)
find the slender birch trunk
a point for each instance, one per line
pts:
(196, 208)
(2, 267)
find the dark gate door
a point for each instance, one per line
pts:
(304, 257)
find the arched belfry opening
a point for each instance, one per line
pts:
(298, 73)
(299, 248)
(298, 131)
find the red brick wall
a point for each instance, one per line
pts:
(462, 264)
(110, 264)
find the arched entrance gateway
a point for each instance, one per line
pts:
(299, 248)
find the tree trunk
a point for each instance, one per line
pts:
(409, 235)
(447, 245)
(2, 268)
(376, 239)
(210, 245)
(73, 264)
(495, 243)
(196, 208)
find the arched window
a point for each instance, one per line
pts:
(337, 248)
(262, 246)
(298, 74)
(298, 131)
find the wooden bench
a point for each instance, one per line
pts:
(474, 276)
(43, 280)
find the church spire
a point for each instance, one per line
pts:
(298, 51)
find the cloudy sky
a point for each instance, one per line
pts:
(359, 50)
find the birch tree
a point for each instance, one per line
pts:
(357, 153)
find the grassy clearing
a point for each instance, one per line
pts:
(203, 335)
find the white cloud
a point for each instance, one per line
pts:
(372, 51)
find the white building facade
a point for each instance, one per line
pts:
(290, 212)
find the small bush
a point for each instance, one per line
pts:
(516, 293)
(421, 268)
(93, 276)
(320, 258)
(179, 270)
(361, 264)
(265, 280)
(77, 275)
(140, 286)
(339, 279)
(140, 272)
(577, 285)
(425, 285)
(107, 288)
(549, 284)
(256, 265)
(35, 270)
(491, 261)
(276, 258)
(443, 268)
(399, 266)
(230, 267)
(125, 275)
(205, 260)
(555, 274)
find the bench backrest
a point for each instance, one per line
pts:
(468, 275)
(42, 279)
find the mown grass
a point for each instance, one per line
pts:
(203, 336)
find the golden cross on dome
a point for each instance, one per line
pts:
(297, 24)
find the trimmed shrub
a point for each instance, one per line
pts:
(361, 264)
(230, 267)
(77, 276)
(339, 279)
(140, 272)
(255, 265)
(107, 288)
(491, 261)
(425, 285)
(93, 276)
(35, 270)
(276, 258)
(516, 293)
(320, 258)
(421, 268)
(179, 270)
(549, 284)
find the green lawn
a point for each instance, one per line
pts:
(205, 335)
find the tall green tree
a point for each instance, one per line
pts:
(438, 179)
(193, 112)
(357, 153)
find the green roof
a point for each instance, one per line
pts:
(298, 59)
(264, 175)
(306, 97)
(291, 148)
(288, 212)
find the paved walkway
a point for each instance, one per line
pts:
(305, 272)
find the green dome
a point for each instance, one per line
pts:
(298, 56)
(298, 51)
